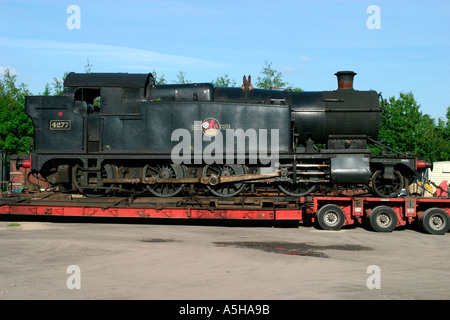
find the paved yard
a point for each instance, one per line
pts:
(101, 259)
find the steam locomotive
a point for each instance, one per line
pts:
(116, 132)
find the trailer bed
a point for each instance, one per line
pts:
(328, 212)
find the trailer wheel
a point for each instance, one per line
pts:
(435, 221)
(383, 219)
(330, 217)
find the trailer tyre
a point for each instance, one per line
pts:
(330, 217)
(435, 221)
(383, 219)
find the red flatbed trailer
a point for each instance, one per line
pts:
(330, 212)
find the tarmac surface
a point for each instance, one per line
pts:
(141, 259)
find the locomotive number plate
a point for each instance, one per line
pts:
(60, 124)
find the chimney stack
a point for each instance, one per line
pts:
(345, 79)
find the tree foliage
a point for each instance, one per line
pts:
(270, 78)
(224, 81)
(159, 79)
(55, 88)
(181, 78)
(16, 128)
(406, 129)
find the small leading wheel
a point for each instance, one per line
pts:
(164, 171)
(387, 188)
(229, 189)
(435, 221)
(383, 219)
(330, 217)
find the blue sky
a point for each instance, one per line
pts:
(306, 40)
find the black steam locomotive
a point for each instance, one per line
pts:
(109, 133)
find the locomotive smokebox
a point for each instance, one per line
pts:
(345, 79)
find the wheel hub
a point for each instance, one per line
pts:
(225, 173)
(213, 172)
(436, 223)
(331, 218)
(383, 220)
(164, 174)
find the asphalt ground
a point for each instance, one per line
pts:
(140, 259)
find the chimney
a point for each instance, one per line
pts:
(345, 79)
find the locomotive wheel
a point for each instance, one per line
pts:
(435, 221)
(225, 189)
(297, 189)
(387, 188)
(89, 182)
(165, 171)
(330, 217)
(383, 219)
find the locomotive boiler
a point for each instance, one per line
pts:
(114, 132)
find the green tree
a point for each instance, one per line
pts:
(56, 87)
(444, 126)
(159, 79)
(406, 129)
(181, 78)
(88, 67)
(400, 122)
(16, 128)
(224, 81)
(270, 78)
(443, 132)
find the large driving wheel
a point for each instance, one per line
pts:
(164, 171)
(227, 189)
